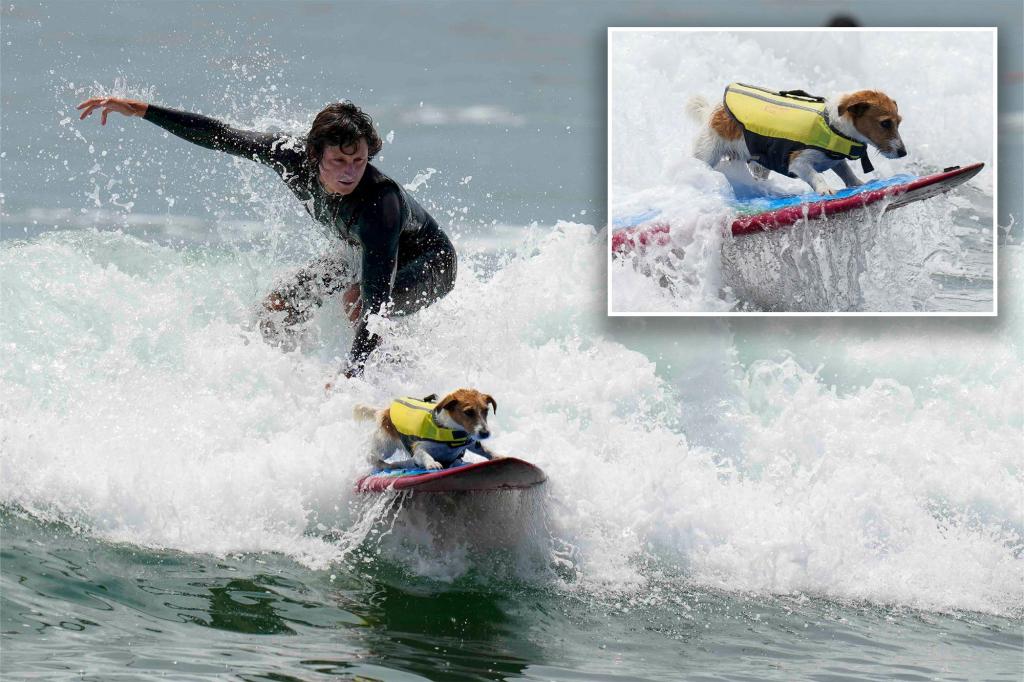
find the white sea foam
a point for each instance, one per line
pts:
(477, 114)
(880, 463)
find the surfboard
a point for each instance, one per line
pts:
(507, 473)
(772, 213)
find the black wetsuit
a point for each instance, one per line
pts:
(407, 260)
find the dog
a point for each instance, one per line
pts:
(796, 134)
(434, 433)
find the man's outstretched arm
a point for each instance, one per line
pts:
(273, 149)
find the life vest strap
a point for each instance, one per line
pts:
(802, 94)
(865, 163)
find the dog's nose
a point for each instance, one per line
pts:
(901, 153)
(485, 434)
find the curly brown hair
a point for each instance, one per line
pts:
(341, 124)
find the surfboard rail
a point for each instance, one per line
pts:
(627, 239)
(915, 190)
(506, 473)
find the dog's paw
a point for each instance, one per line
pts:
(433, 465)
(757, 170)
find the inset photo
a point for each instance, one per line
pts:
(805, 171)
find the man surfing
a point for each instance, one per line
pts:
(407, 261)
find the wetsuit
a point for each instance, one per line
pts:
(407, 261)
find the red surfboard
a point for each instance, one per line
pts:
(800, 209)
(507, 473)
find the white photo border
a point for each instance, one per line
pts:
(612, 30)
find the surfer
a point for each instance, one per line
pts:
(406, 261)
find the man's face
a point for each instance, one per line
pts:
(341, 168)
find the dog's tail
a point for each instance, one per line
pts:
(698, 108)
(364, 413)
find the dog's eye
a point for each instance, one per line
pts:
(887, 124)
(469, 412)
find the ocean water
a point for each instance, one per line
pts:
(934, 256)
(727, 499)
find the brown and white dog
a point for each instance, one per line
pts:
(447, 429)
(867, 116)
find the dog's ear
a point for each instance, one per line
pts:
(857, 109)
(447, 403)
(494, 405)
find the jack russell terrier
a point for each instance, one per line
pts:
(434, 433)
(796, 134)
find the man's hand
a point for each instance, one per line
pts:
(352, 370)
(128, 107)
(349, 371)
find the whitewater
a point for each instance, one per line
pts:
(141, 405)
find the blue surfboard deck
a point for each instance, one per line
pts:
(765, 204)
(636, 218)
(774, 203)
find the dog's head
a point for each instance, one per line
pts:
(875, 116)
(466, 409)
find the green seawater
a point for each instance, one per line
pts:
(77, 607)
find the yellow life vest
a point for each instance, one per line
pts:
(775, 124)
(414, 420)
